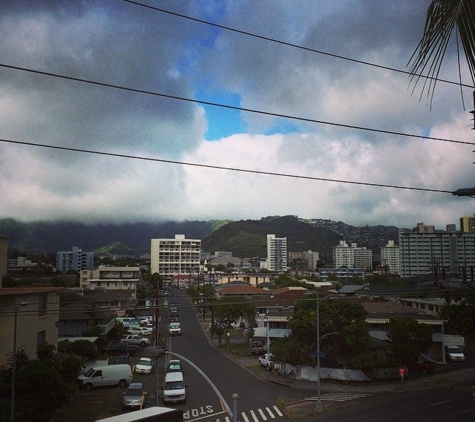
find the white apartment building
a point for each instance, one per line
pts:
(111, 278)
(175, 256)
(423, 252)
(390, 257)
(276, 253)
(352, 256)
(75, 259)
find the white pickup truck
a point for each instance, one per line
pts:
(135, 339)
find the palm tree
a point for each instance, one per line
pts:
(443, 16)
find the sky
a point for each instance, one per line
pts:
(109, 112)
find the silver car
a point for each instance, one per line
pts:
(134, 397)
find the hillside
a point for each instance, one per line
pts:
(249, 238)
(39, 237)
(246, 238)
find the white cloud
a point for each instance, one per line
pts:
(122, 44)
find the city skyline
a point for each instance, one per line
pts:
(109, 113)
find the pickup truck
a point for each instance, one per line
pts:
(267, 361)
(135, 339)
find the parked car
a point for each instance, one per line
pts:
(136, 339)
(257, 348)
(174, 366)
(121, 348)
(143, 366)
(134, 397)
(454, 354)
(267, 361)
(174, 329)
(119, 360)
(422, 366)
(145, 319)
(144, 331)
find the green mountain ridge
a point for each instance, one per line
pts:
(245, 238)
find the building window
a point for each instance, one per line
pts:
(42, 304)
(40, 337)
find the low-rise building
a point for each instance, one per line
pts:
(112, 278)
(35, 310)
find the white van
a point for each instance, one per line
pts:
(454, 354)
(99, 376)
(174, 389)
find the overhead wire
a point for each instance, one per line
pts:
(288, 44)
(226, 106)
(215, 167)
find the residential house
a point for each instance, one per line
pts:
(36, 319)
(274, 311)
(253, 279)
(380, 313)
(239, 289)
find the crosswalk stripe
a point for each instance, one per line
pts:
(262, 414)
(253, 414)
(278, 411)
(270, 413)
(258, 415)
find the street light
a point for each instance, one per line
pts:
(12, 409)
(319, 339)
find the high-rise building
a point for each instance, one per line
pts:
(352, 256)
(75, 260)
(445, 251)
(276, 253)
(176, 256)
(467, 224)
(306, 260)
(390, 257)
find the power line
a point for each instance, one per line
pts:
(214, 167)
(249, 110)
(297, 46)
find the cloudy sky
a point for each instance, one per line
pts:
(137, 138)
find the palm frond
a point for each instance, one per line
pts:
(443, 16)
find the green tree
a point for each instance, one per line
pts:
(408, 338)
(335, 316)
(42, 385)
(229, 310)
(443, 16)
(460, 316)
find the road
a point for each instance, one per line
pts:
(257, 398)
(437, 405)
